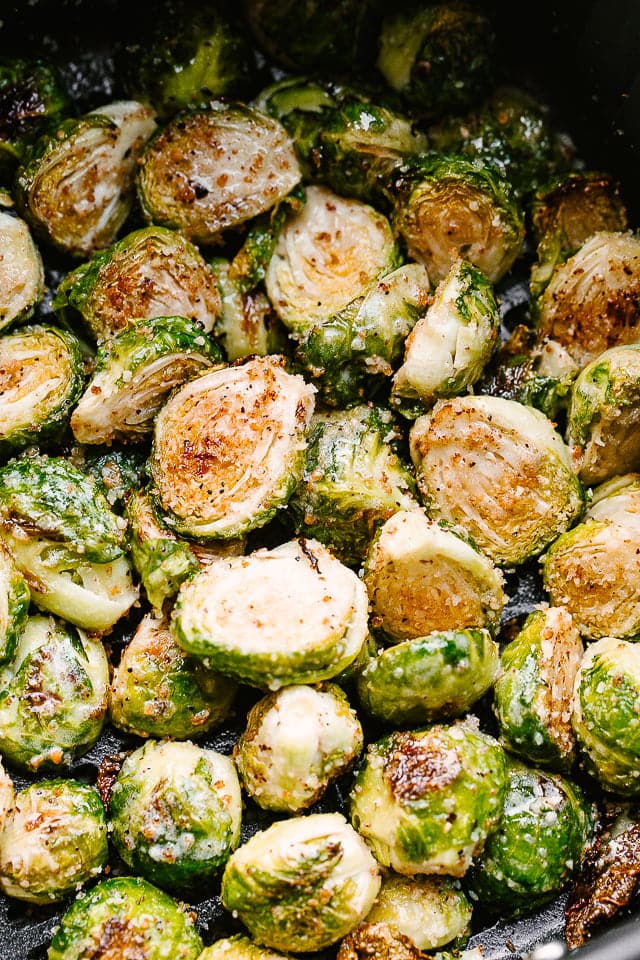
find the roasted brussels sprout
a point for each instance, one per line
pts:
(301, 884)
(41, 379)
(594, 569)
(7, 795)
(123, 914)
(329, 254)
(380, 940)
(54, 697)
(533, 691)
(448, 207)
(426, 800)
(54, 840)
(151, 272)
(158, 691)
(591, 302)
(238, 947)
(354, 479)
(32, 96)
(66, 541)
(229, 448)
(118, 471)
(56, 189)
(432, 911)
(499, 470)
(422, 577)
(448, 348)
(186, 184)
(439, 56)
(21, 270)
(605, 718)
(296, 743)
(14, 604)
(292, 614)
(175, 812)
(134, 373)
(247, 325)
(429, 678)
(545, 828)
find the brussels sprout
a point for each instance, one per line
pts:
(351, 356)
(545, 827)
(449, 347)
(238, 947)
(247, 325)
(229, 448)
(295, 744)
(56, 189)
(7, 795)
(430, 678)
(175, 812)
(158, 691)
(380, 940)
(604, 413)
(440, 57)
(328, 255)
(426, 800)
(594, 569)
(118, 472)
(66, 541)
(565, 211)
(14, 604)
(431, 911)
(590, 303)
(422, 577)
(54, 697)
(151, 272)
(21, 271)
(354, 478)
(54, 840)
(124, 914)
(41, 379)
(448, 206)
(301, 884)
(32, 96)
(499, 470)
(532, 694)
(293, 614)
(134, 373)
(184, 184)
(605, 717)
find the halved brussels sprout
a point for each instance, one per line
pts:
(293, 614)
(32, 96)
(54, 697)
(14, 604)
(590, 303)
(66, 541)
(125, 914)
(238, 947)
(301, 884)
(175, 812)
(422, 577)
(533, 691)
(430, 678)
(134, 373)
(247, 325)
(605, 716)
(208, 170)
(21, 271)
(431, 911)
(499, 470)
(54, 840)
(448, 206)
(380, 940)
(296, 743)
(77, 187)
(41, 379)
(150, 272)
(327, 255)
(426, 800)
(440, 57)
(354, 478)
(604, 414)
(158, 691)
(448, 348)
(229, 448)
(543, 833)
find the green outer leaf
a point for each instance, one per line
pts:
(18, 597)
